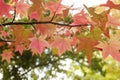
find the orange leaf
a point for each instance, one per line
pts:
(87, 44)
(38, 7)
(23, 35)
(7, 55)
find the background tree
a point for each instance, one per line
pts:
(38, 38)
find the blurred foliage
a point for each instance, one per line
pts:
(70, 66)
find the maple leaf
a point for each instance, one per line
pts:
(111, 5)
(19, 48)
(34, 15)
(99, 20)
(80, 18)
(38, 45)
(61, 45)
(22, 8)
(38, 7)
(87, 44)
(54, 7)
(5, 9)
(111, 47)
(4, 34)
(23, 35)
(45, 29)
(7, 55)
(112, 21)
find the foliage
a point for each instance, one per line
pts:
(43, 33)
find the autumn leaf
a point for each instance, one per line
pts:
(61, 45)
(111, 5)
(38, 7)
(112, 21)
(14, 1)
(54, 7)
(45, 29)
(38, 45)
(20, 48)
(96, 33)
(22, 8)
(7, 55)
(99, 20)
(4, 34)
(110, 48)
(87, 44)
(80, 18)
(23, 35)
(5, 9)
(34, 15)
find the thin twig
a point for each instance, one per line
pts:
(5, 40)
(55, 13)
(14, 15)
(35, 66)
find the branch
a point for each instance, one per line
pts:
(43, 22)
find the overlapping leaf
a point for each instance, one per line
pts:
(22, 8)
(61, 45)
(111, 5)
(38, 45)
(111, 47)
(38, 7)
(5, 9)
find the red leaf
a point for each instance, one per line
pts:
(14, 1)
(61, 44)
(45, 29)
(80, 18)
(5, 9)
(4, 34)
(111, 5)
(38, 45)
(19, 48)
(34, 15)
(54, 7)
(7, 55)
(22, 8)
